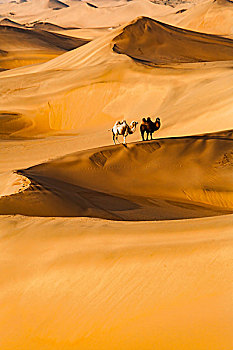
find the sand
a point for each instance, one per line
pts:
(150, 41)
(71, 283)
(143, 181)
(126, 246)
(213, 17)
(22, 46)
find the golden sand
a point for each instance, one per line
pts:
(116, 247)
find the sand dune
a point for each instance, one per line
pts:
(91, 5)
(116, 247)
(46, 26)
(140, 182)
(31, 10)
(83, 15)
(80, 14)
(56, 4)
(104, 86)
(154, 42)
(89, 34)
(8, 22)
(12, 183)
(213, 17)
(23, 46)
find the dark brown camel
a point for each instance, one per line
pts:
(149, 127)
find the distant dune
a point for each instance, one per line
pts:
(46, 26)
(92, 86)
(23, 46)
(91, 5)
(80, 14)
(56, 4)
(8, 22)
(151, 41)
(214, 16)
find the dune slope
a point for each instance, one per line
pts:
(81, 14)
(151, 41)
(143, 181)
(56, 4)
(70, 283)
(92, 86)
(24, 46)
(214, 16)
(46, 26)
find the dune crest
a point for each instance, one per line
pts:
(8, 22)
(102, 85)
(24, 46)
(98, 183)
(56, 4)
(154, 42)
(12, 183)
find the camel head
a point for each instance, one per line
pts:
(133, 124)
(157, 123)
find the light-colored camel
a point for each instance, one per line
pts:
(122, 128)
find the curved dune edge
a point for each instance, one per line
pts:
(93, 87)
(24, 46)
(164, 179)
(12, 183)
(153, 42)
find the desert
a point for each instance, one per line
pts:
(126, 245)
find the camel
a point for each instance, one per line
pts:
(149, 127)
(122, 128)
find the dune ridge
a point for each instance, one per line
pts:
(46, 26)
(94, 70)
(213, 17)
(154, 42)
(140, 182)
(23, 46)
(9, 22)
(80, 14)
(56, 4)
(12, 183)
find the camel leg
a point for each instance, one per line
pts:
(113, 137)
(147, 136)
(117, 138)
(151, 136)
(142, 133)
